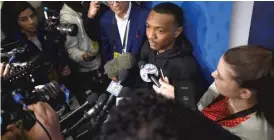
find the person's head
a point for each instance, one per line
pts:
(247, 73)
(151, 116)
(18, 16)
(119, 7)
(164, 25)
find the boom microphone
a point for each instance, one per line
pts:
(148, 72)
(124, 62)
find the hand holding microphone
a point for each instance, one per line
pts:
(148, 73)
(166, 89)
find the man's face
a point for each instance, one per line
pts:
(118, 7)
(27, 20)
(161, 30)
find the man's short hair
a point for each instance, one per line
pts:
(171, 9)
(153, 117)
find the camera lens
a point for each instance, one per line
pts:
(68, 29)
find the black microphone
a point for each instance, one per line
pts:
(90, 100)
(148, 72)
(89, 113)
(122, 76)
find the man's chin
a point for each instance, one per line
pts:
(154, 48)
(32, 30)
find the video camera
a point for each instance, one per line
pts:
(19, 85)
(57, 96)
(53, 25)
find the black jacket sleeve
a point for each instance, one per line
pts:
(188, 84)
(184, 93)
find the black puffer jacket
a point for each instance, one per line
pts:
(183, 71)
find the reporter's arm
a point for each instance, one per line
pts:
(74, 52)
(166, 89)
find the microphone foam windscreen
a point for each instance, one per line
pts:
(126, 61)
(111, 68)
(123, 62)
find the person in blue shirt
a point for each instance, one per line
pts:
(122, 29)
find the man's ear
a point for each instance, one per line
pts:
(178, 31)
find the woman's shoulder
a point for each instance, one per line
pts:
(256, 122)
(254, 128)
(208, 97)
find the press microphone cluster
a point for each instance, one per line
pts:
(90, 113)
(115, 89)
(97, 114)
(149, 72)
(99, 111)
(90, 101)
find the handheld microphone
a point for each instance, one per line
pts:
(90, 100)
(89, 114)
(148, 73)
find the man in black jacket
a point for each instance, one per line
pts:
(167, 51)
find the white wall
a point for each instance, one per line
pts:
(240, 23)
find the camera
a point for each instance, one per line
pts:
(57, 96)
(19, 86)
(55, 27)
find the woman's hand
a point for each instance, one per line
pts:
(166, 89)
